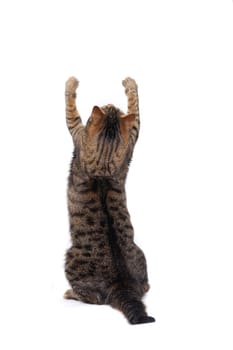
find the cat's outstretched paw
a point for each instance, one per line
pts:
(71, 85)
(129, 84)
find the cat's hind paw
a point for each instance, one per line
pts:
(69, 294)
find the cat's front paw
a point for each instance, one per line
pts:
(129, 84)
(71, 85)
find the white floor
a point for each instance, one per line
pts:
(180, 187)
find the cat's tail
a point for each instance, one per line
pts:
(131, 305)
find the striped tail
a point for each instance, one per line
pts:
(131, 306)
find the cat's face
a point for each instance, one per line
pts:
(108, 146)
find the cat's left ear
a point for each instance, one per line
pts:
(97, 114)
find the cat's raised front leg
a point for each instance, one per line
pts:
(73, 118)
(131, 91)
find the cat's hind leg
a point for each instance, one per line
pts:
(85, 294)
(70, 294)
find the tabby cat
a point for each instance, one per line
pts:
(104, 265)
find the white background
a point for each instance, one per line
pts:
(180, 184)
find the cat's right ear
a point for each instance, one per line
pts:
(97, 114)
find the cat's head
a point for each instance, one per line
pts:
(108, 141)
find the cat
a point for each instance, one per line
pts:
(103, 264)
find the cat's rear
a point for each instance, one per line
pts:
(104, 265)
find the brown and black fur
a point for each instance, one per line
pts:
(104, 265)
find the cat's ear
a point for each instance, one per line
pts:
(97, 114)
(126, 124)
(128, 119)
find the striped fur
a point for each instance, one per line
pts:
(103, 264)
